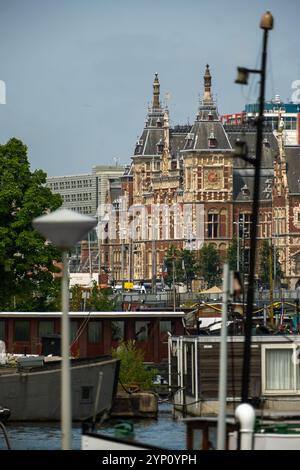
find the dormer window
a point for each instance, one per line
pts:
(147, 123)
(160, 146)
(210, 116)
(268, 188)
(158, 123)
(245, 190)
(189, 139)
(266, 142)
(138, 146)
(212, 141)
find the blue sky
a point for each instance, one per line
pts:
(79, 73)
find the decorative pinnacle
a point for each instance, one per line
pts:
(156, 89)
(207, 85)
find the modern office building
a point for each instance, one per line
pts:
(277, 115)
(86, 192)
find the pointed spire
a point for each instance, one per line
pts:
(207, 97)
(156, 87)
(166, 150)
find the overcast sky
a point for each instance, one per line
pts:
(79, 73)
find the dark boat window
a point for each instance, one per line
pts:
(117, 330)
(141, 331)
(86, 394)
(22, 330)
(74, 330)
(46, 327)
(2, 330)
(95, 331)
(165, 326)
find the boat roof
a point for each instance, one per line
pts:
(113, 315)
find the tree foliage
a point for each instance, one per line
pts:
(266, 264)
(99, 300)
(132, 370)
(26, 261)
(184, 265)
(210, 265)
(232, 254)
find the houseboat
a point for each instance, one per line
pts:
(274, 380)
(31, 389)
(92, 333)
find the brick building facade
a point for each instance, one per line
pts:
(186, 185)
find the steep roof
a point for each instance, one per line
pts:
(293, 168)
(243, 185)
(248, 135)
(207, 133)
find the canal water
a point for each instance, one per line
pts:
(164, 432)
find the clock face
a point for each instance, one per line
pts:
(213, 178)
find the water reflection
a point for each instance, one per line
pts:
(163, 432)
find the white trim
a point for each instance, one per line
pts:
(264, 348)
(133, 314)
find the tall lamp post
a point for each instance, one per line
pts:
(64, 228)
(266, 24)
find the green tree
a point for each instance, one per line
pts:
(76, 298)
(100, 300)
(210, 265)
(173, 265)
(184, 265)
(266, 264)
(132, 369)
(232, 254)
(26, 261)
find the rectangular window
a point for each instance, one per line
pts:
(46, 327)
(86, 394)
(95, 331)
(117, 330)
(141, 331)
(165, 326)
(22, 330)
(213, 225)
(2, 330)
(280, 369)
(74, 329)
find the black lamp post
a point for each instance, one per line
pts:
(266, 24)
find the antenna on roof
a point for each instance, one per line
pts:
(167, 99)
(116, 160)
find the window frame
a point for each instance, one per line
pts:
(29, 332)
(269, 392)
(3, 322)
(213, 226)
(99, 323)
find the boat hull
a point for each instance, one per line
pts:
(35, 395)
(270, 441)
